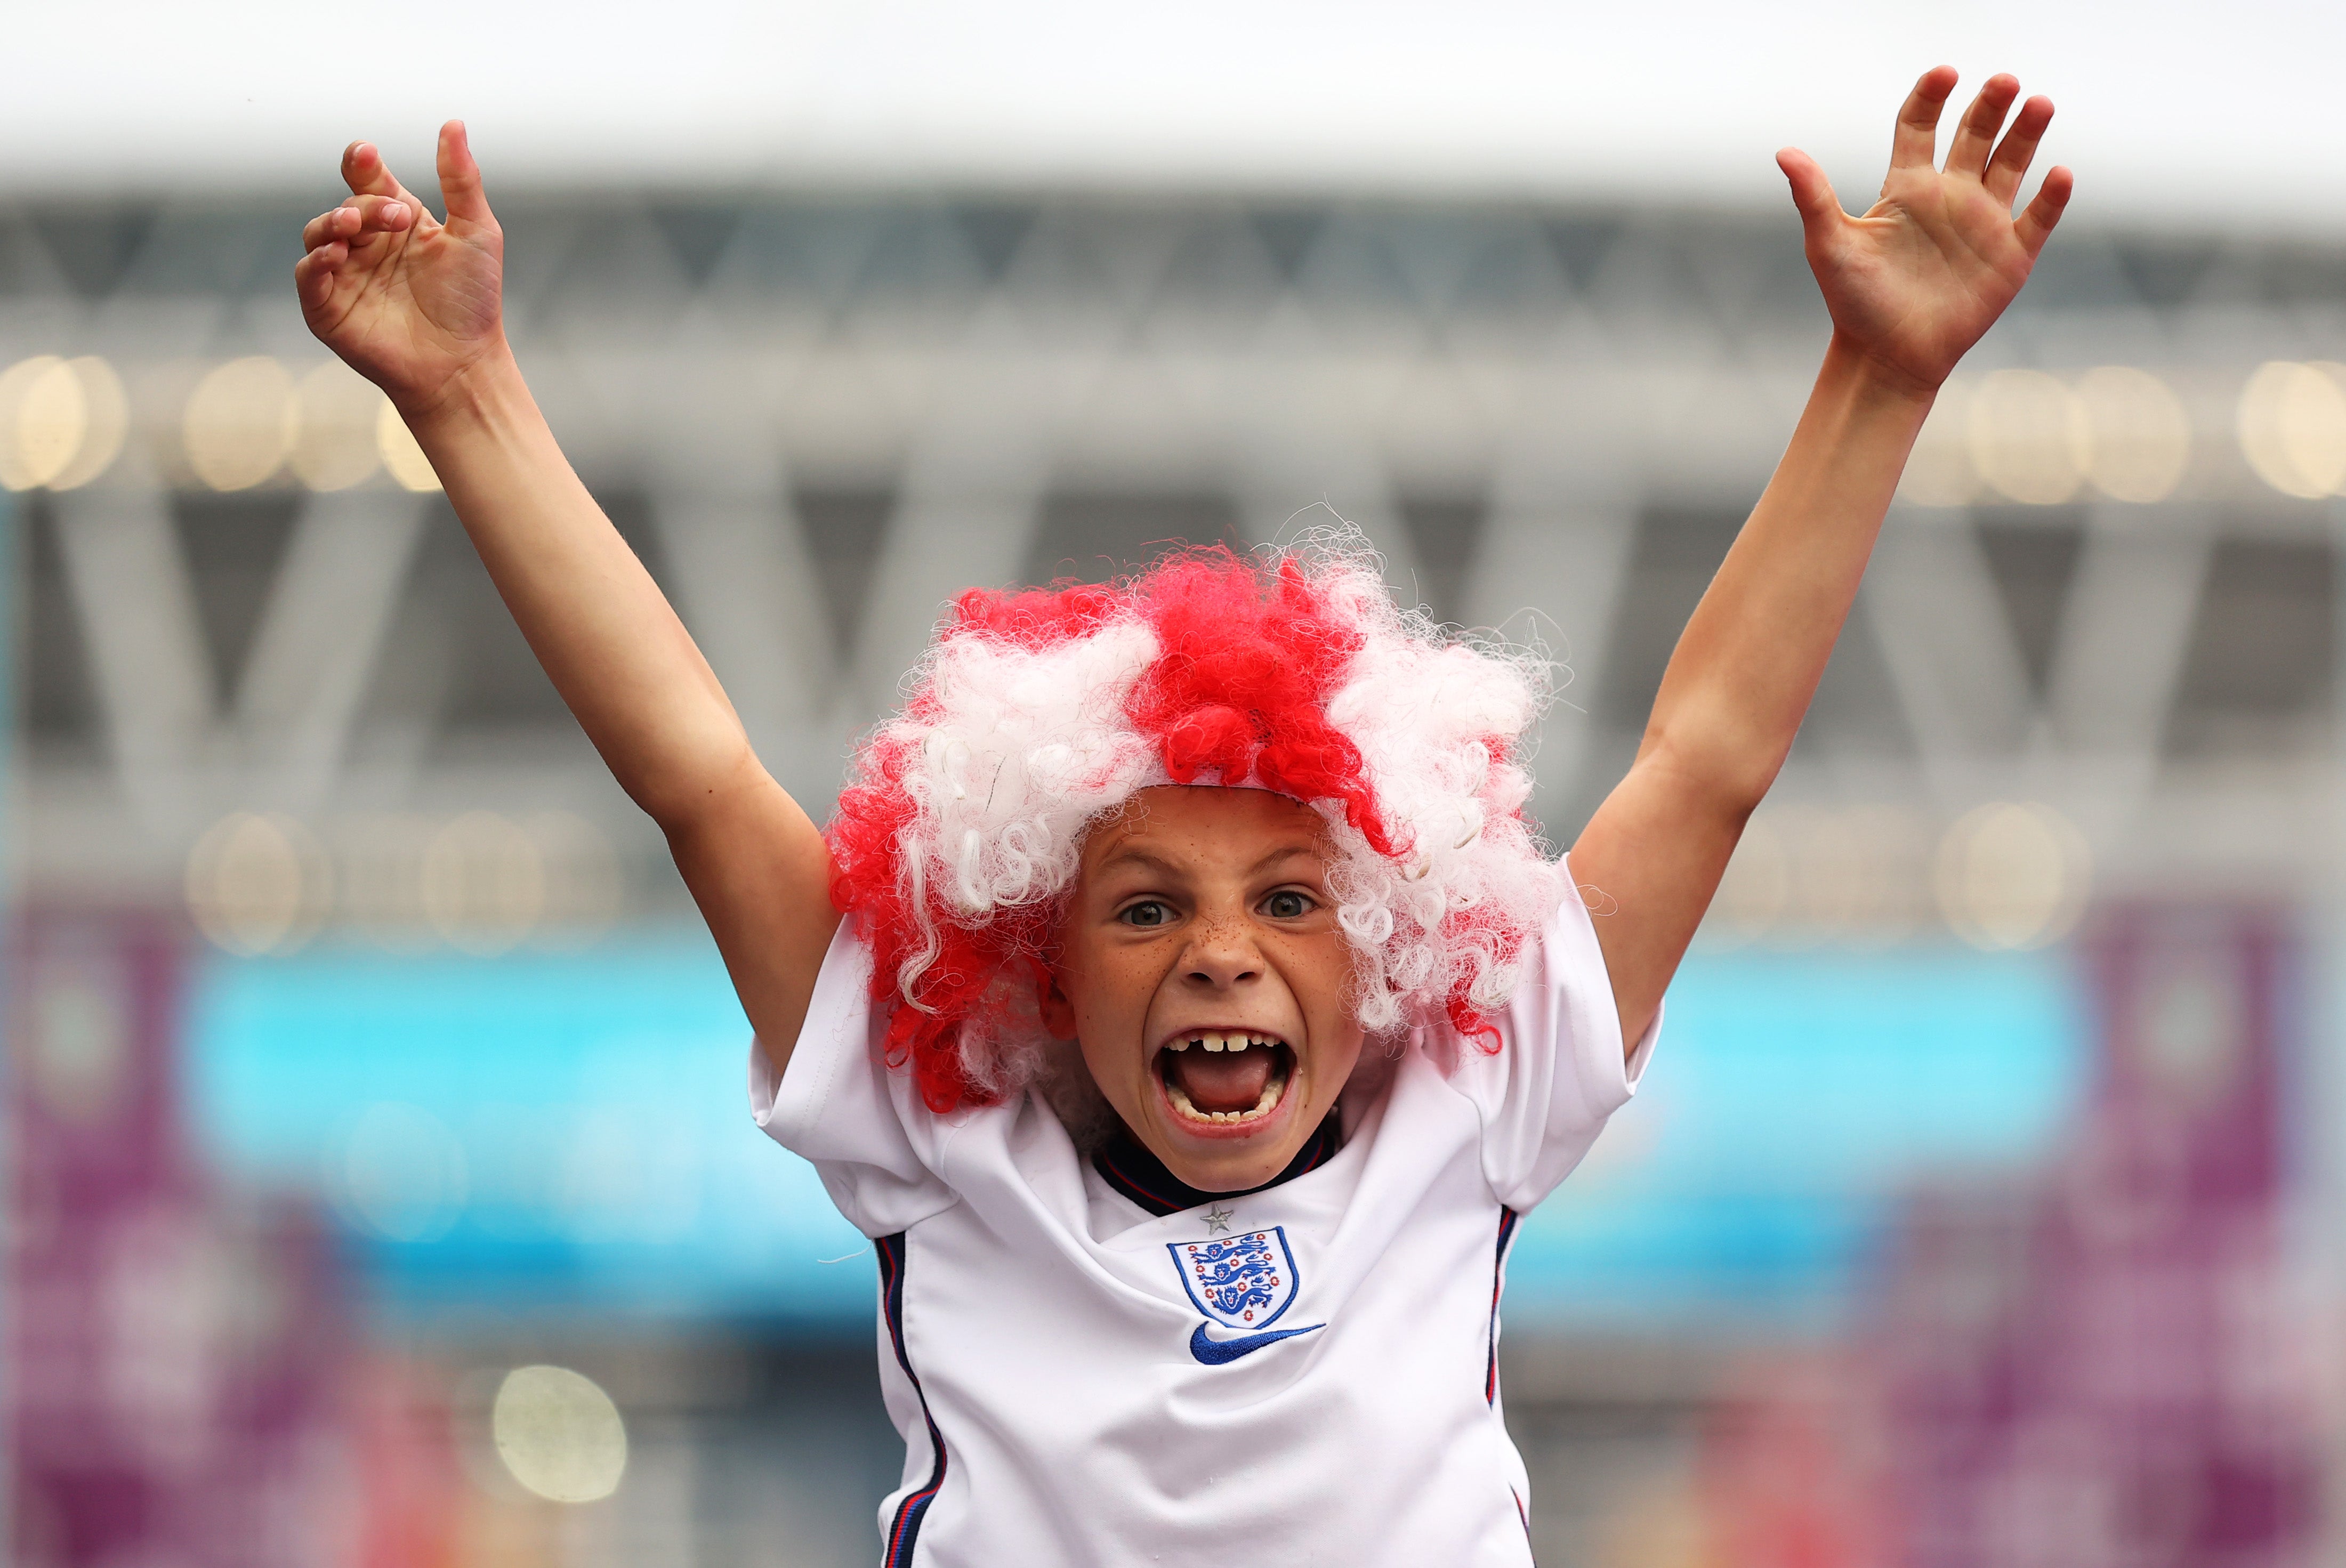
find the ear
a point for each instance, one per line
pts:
(1051, 1000)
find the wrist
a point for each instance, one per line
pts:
(1875, 379)
(478, 393)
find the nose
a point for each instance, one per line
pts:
(1221, 956)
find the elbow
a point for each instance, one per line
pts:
(682, 799)
(1726, 780)
(1739, 792)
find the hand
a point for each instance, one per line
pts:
(1913, 284)
(412, 303)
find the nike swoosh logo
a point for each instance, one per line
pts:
(1221, 1352)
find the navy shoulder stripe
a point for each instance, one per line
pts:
(1508, 1218)
(905, 1530)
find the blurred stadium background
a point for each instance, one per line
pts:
(381, 1187)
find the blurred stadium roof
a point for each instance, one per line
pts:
(2176, 112)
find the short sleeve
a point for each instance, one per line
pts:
(1560, 1072)
(862, 1126)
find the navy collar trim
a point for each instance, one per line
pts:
(1126, 1166)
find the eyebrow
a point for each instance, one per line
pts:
(1139, 857)
(1285, 853)
(1163, 867)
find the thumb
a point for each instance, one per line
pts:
(1812, 193)
(460, 178)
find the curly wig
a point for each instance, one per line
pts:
(1034, 714)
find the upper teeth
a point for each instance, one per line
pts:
(1221, 1041)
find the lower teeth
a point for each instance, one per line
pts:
(1261, 1108)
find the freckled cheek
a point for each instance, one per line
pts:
(1118, 990)
(1319, 975)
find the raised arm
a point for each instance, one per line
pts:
(1911, 286)
(416, 306)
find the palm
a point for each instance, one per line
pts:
(410, 302)
(1914, 282)
(416, 316)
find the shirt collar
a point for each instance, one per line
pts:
(1125, 1164)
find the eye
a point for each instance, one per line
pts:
(1148, 913)
(1287, 904)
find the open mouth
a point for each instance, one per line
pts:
(1225, 1075)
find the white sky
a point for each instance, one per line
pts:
(2178, 110)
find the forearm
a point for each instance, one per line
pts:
(1739, 683)
(1748, 664)
(605, 634)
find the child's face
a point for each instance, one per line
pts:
(1202, 971)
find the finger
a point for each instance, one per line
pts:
(1812, 193)
(1914, 141)
(1975, 133)
(314, 275)
(2009, 165)
(335, 224)
(460, 178)
(366, 174)
(359, 214)
(2035, 225)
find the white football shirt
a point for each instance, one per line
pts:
(1087, 1369)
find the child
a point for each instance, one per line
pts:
(1205, 1013)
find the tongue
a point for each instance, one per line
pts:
(1222, 1080)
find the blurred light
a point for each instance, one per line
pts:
(239, 422)
(401, 456)
(483, 883)
(559, 1434)
(42, 420)
(2012, 875)
(1803, 875)
(106, 423)
(2137, 437)
(2191, 1036)
(1939, 471)
(2024, 432)
(257, 884)
(382, 880)
(1821, 874)
(62, 421)
(2292, 426)
(81, 1044)
(1854, 870)
(626, 1176)
(1755, 890)
(583, 880)
(402, 1174)
(335, 412)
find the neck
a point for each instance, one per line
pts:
(1125, 1164)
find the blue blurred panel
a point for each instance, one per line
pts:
(571, 1131)
(1793, 1098)
(539, 1131)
